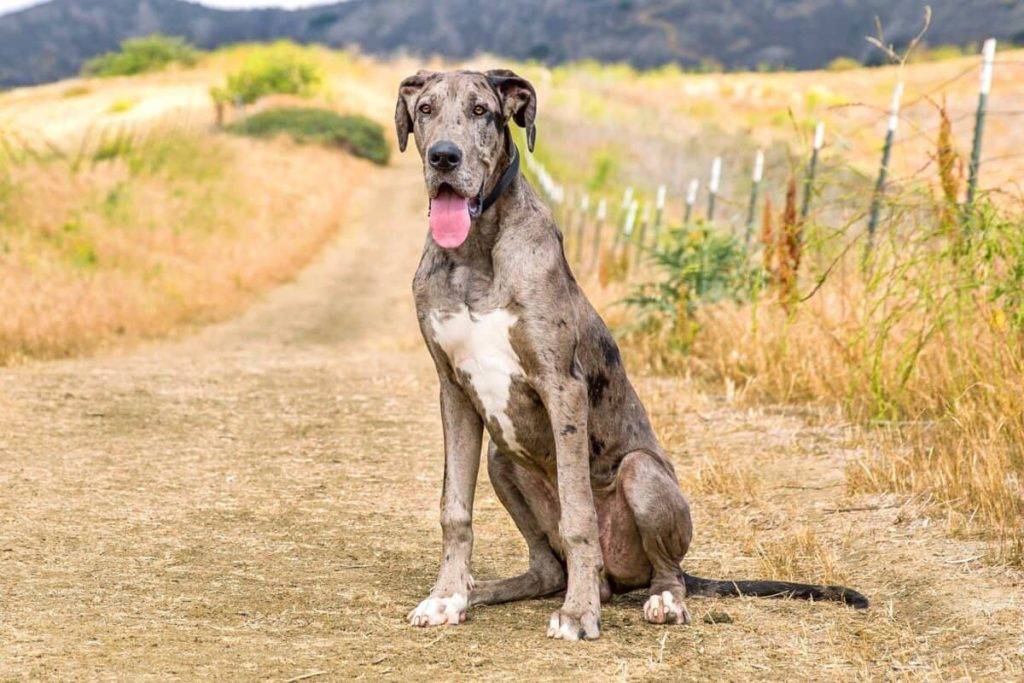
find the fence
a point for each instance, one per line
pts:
(636, 228)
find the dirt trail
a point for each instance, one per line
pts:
(260, 501)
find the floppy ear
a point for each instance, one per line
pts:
(407, 91)
(518, 100)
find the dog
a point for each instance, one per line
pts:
(521, 353)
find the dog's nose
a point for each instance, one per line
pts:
(444, 155)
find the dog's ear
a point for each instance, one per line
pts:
(518, 100)
(407, 91)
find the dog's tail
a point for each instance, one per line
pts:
(701, 587)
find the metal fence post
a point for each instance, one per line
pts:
(988, 58)
(812, 169)
(755, 189)
(659, 216)
(627, 228)
(883, 170)
(691, 199)
(602, 213)
(582, 228)
(627, 200)
(641, 236)
(716, 177)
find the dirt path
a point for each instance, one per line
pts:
(260, 501)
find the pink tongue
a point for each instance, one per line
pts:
(449, 219)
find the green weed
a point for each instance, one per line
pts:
(695, 266)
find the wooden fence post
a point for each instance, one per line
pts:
(812, 169)
(988, 59)
(716, 177)
(883, 170)
(755, 189)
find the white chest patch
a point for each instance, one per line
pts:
(478, 344)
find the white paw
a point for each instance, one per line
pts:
(563, 630)
(562, 626)
(665, 609)
(438, 611)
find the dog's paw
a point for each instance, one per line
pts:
(435, 611)
(566, 626)
(666, 608)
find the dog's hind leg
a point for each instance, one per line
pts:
(532, 514)
(662, 517)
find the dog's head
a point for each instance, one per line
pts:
(459, 119)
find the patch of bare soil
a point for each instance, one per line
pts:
(260, 501)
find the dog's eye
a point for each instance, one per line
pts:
(425, 108)
(479, 110)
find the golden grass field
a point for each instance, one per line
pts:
(258, 498)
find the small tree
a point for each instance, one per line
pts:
(282, 68)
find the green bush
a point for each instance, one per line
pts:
(356, 134)
(142, 55)
(843, 64)
(281, 68)
(696, 266)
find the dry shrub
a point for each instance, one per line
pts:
(768, 256)
(782, 249)
(950, 170)
(789, 247)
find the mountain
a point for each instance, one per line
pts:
(53, 40)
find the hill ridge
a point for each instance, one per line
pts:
(51, 41)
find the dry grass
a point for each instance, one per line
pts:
(182, 227)
(260, 501)
(946, 400)
(131, 239)
(714, 475)
(798, 554)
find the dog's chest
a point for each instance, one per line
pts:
(479, 347)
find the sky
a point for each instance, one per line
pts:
(12, 5)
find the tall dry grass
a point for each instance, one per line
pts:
(925, 343)
(130, 233)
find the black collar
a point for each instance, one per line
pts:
(509, 174)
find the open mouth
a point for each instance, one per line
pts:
(450, 216)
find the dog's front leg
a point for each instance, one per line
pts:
(463, 435)
(580, 615)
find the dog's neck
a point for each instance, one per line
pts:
(488, 226)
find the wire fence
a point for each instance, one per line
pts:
(831, 192)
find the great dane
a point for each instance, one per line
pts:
(520, 352)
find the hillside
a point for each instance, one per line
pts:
(259, 496)
(52, 41)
